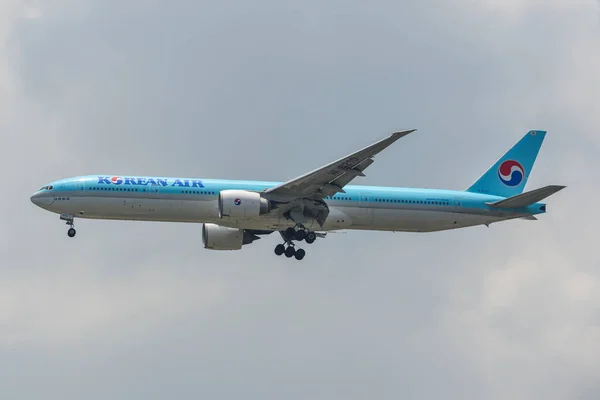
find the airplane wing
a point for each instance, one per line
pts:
(331, 178)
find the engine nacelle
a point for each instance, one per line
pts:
(242, 204)
(217, 237)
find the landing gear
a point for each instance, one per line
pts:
(290, 251)
(279, 249)
(70, 221)
(300, 234)
(300, 253)
(290, 235)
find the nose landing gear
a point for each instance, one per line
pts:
(70, 221)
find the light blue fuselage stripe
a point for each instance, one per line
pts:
(373, 196)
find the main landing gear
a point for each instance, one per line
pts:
(289, 247)
(70, 221)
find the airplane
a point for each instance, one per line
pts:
(235, 213)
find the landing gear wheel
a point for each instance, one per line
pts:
(290, 232)
(279, 249)
(299, 235)
(71, 232)
(290, 251)
(310, 237)
(300, 253)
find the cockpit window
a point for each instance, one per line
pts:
(49, 187)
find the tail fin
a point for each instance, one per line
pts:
(509, 175)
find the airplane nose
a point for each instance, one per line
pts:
(38, 199)
(35, 198)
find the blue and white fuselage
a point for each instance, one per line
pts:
(235, 212)
(196, 200)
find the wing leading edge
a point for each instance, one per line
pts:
(331, 178)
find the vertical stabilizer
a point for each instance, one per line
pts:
(509, 175)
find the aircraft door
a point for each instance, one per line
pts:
(80, 188)
(153, 190)
(363, 202)
(364, 215)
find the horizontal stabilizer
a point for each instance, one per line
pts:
(528, 198)
(530, 218)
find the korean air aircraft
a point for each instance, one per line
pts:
(236, 213)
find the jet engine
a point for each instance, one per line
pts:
(241, 204)
(217, 237)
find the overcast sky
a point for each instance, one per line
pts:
(270, 90)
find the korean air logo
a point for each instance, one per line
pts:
(237, 201)
(511, 173)
(117, 180)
